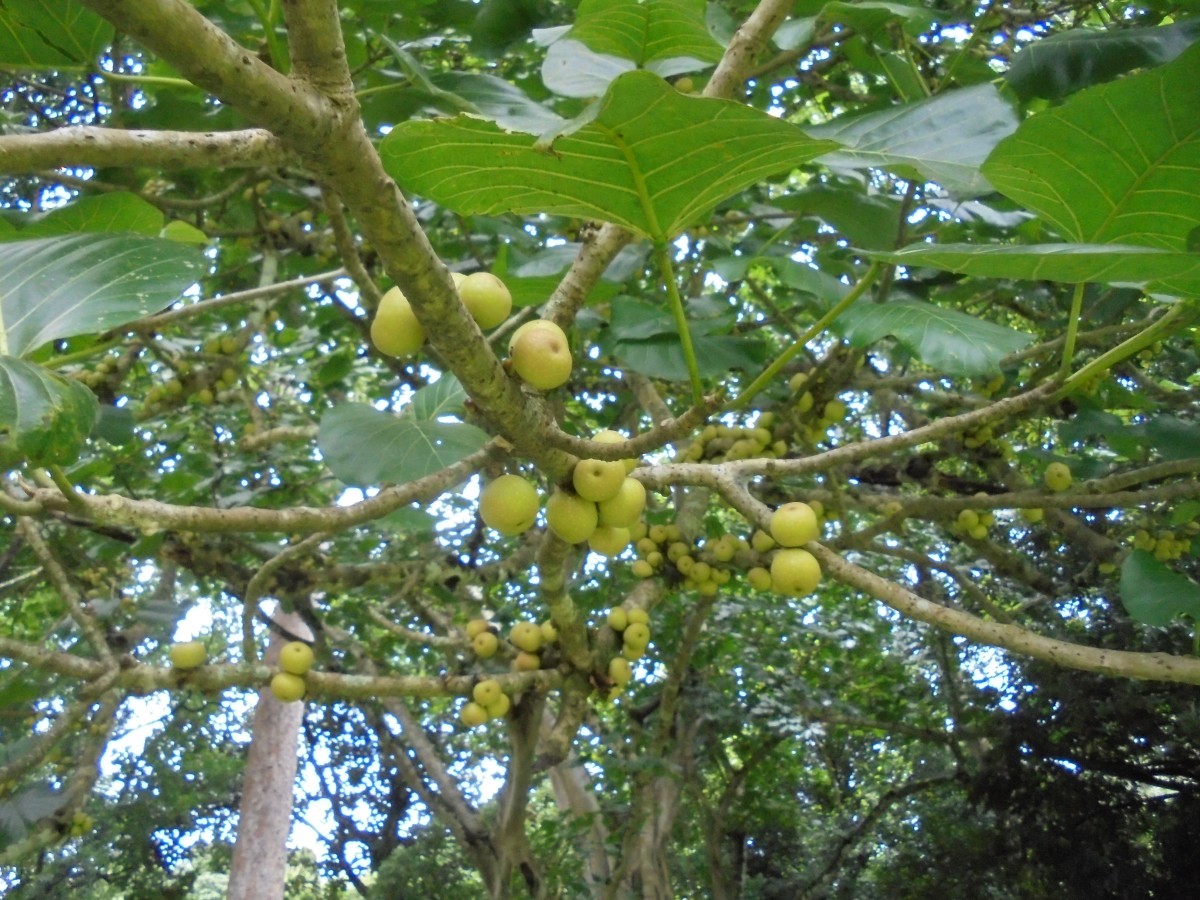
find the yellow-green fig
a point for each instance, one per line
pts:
(395, 330)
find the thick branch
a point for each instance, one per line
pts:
(94, 147)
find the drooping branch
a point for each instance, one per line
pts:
(1120, 663)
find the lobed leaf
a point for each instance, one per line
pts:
(944, 339)
(651, 160)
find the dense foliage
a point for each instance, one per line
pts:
(929, 268)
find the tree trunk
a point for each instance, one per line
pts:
(264, 819)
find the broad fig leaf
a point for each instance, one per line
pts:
(115, 212)
(1172, 437)
(944, 339)
(1064, 63)
(944, 139)
(645, 31)
(35, 34)
(1159, 270)
(86, 283)
(366, 446)
(652, 160)
(1118, 163)
(1155, 594)
(44, 418)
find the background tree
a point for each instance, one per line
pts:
(928, 269)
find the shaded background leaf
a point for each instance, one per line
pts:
(944, 339)
(364, 446)
(81, 284)
(44, 418)
(1155, 594)
(943, 139)
(1161, 271)
(1064, 63)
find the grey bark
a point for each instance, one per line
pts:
(265, 816)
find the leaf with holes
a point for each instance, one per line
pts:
(35, 34)
(1118, 163)
(1155, 594)
(944, 139)
(645, 31)
(86, 283)
(944, 339)
(364, 446)
(44, 418)
(1159, 270)
(651, 160)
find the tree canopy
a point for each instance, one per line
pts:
(670, 448)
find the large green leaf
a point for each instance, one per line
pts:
(116, 212)
(365, 446)
(944, 339)
(1160, 271)
(944, 139)
(652, 160)
(44, 418)
(1063, 63)
(1154, 594)
(36, 34)
(81, 284)
(645, 31)
(1118, 163)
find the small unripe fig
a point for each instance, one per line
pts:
(188, 655)
(509, 504)
(623, 508)
(487, 692)
(597, 479)
(795, 572)
(395, 329)
(570, 517)
(472, 715)
(287, 687)
(485, 644)
(540, 355)
(486, 298)
(296, 657)
(1057, 476)
(609, 541)
(794, 524)
(526, 636)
